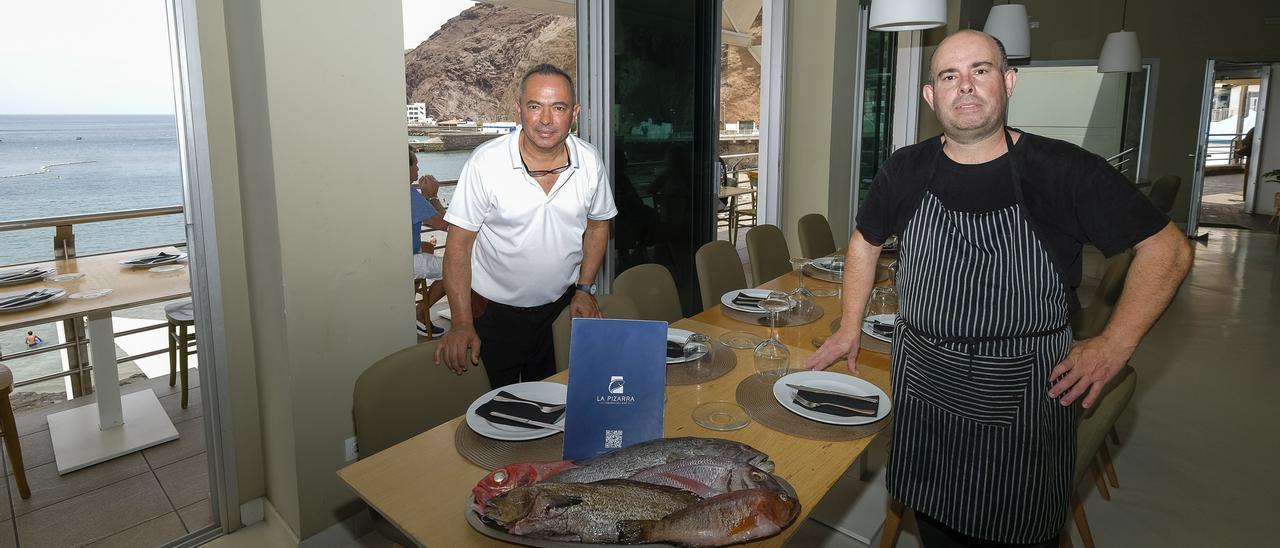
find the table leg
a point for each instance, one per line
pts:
(106, 381)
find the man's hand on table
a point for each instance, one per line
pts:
(841, 344)
(1088, 367)
(584, 305)
(459, 348)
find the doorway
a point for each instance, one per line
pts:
(1227, 192)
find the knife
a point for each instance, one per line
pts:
(529, 422)
(833, 393)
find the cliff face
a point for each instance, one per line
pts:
(471, 67)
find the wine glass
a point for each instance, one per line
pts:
(771, 356)
(797, 264)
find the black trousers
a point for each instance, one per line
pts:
(934, 534)
(515, 342)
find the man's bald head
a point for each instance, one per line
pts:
(969, 35)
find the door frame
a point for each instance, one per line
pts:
(773, 100)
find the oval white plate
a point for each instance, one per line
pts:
(89, 294)
(40, 273)
(547, 392)
(727, 300)
(58, 295)
(835, 382)
(133, 262)
(882, 318)
(680, 336)
(166, 268)
(829, 264)
(68, 277)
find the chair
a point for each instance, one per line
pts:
(10, 427)
(815, 236)
(1089, 321)
(614, 306)
(1163, 192)
(652, 290)
(767, 250)
(1276, 213)
(403, 395)
(719, 271)
(742, 215)
(181, 316)
(1091, 443)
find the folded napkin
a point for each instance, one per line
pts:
(744, 299)
(820, 398)
(675, 349)
(521, 410)
(18, 275)
(883, 329)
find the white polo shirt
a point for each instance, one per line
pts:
(529, 243)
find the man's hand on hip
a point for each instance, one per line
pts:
(841, 344)
(1088, 367)
(584, 305)
(459, 348)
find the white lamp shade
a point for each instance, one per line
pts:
(897, 15)
(1120, 53)
(1008, 23)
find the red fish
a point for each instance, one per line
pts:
(730, 518)
(515, 475)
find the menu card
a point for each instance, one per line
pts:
(617, 385)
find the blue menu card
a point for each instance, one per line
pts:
(617, 385)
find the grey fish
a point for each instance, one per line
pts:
(730, 518)
(708, 476)
(622, 463)
(583, 512)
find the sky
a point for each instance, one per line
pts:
(112, 57)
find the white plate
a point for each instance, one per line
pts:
(835, 382)
(727, 300)
(89, 294)
(58, 294)
(166, 268)
(39, 273)
(681, 336)
(547, 392)
(834, 265)
(68, 277)
(882, 318)
(133, 262)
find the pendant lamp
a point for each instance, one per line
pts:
(1008, 23)
(897, 15)
(1120, 52)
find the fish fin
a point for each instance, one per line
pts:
(634, 531)
(561, 502)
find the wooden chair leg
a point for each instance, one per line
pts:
(1064, 539)
(173, 354)
(1082, 523)
(11, 444)
(1097, 477)
(892, 523)
(1115, 437)
(183, 354)
(1105, 455)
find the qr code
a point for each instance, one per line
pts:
(612, 439)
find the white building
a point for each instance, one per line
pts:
(416, 113)
(498, 127)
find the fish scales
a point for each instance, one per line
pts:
(624, 462)
(584, 512)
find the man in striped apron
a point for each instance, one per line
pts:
(985, 375)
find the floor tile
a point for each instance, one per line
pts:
(172, 405)
(157, 532)
(196, 516)
(6, 502)
(94, 515)
(185, 481)
(37, 449)
(190, 442)
(47, 487)
(8, 538)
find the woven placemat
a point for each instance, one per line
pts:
(723, 361)
(492, 454)
(755, 394)
(820, 274)
(866, 342)
(786, 319)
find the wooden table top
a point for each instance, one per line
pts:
(731, 191)
(422, 484)
(129, 287)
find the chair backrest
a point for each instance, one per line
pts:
(767, 250)
(652, 290)
(405, 394)
(719, 271)
(612, 306)
(1163, 191)
(1089, 321)
(1096, 421)
(815, 236)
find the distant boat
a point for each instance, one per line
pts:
(79, 138)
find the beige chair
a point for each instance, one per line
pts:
(1163, 192)
(815, 236)
(10, 427)
(652, 290)
(612, 306)
(1091, 443)
(403, 395)
(1090, 320)
(1275, 214)
(719, 271)
(181, 317)
(767, 250)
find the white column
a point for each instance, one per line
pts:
(106, 381)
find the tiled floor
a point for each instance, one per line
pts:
(146, 498)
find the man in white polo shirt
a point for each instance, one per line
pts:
(529, 223)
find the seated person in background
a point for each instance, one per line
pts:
(425, 208)
(33, 339)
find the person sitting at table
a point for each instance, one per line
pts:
(426, 208)
(33, 340)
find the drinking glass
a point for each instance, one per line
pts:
(699, 355)
(771, 356)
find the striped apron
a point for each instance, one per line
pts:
(978, 444)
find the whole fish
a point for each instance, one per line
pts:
(622, 463)
(583, 512)
(512, 476)
(708, 476)
(730, 518)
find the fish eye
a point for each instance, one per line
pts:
(757, 476)
(499, 476)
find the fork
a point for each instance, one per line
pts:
(811, 405)
(545, 408)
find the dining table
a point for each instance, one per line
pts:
(422, 484)
(115, 425)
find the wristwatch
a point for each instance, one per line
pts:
(590, 289)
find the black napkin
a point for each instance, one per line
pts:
(521, 410)
(18, 275)
(882, 329)
(675, 349)
(743, 299)
(847, 401)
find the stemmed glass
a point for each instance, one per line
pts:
(771, 356)
(821, 291)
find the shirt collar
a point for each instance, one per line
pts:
(513, 149)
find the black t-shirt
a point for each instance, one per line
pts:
(1072, 196)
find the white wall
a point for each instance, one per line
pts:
(1075, 104)
(1270, 144)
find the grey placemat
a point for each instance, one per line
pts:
(866, 342)
(723, 361)
(755, 394)
(820, 274)
(786, 319)
(492, 454)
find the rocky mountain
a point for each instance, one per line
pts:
(471, 66)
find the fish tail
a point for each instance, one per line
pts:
(636, 531)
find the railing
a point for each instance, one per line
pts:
(1220, 149)
(1119, 160)
(74, 328)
